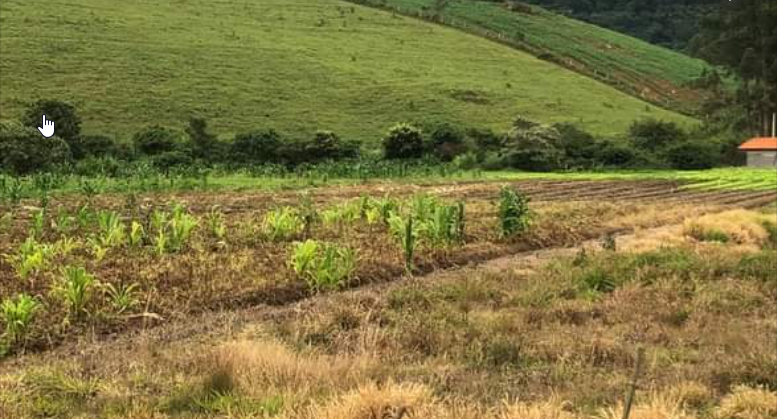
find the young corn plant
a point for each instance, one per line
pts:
(123, 298)
(180, 228)
(282, 224)
(513, 212)
(6, 222)
(112, 232)
(17, 315)
(444, 227)
(63, 223)
(324, 266)
(76, 288)
(309, 215)
(38, 223)
(405, 231)
(31, 258)
(137, 234)
(216, 225)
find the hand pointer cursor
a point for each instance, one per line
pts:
(48, 127)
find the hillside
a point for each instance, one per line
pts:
(293, 65)
(654, 73)
(663, 22)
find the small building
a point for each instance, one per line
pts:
(761, 152)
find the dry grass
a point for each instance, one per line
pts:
(748, 403)
(738, 226)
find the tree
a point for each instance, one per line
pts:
(67, 123)
(533, 147)
(204, 144)
(403, 141)
(156, 140)
(23, 150)
(256, 147)
(742, 37)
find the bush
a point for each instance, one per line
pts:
(97, 166)
(169, 159)
(67, 123)
(692, 155)
(23, 150)
(204, 145)
(403, 141)
(654, 135)
(532, 147)
(158, 140)
(325, 145)
(579, 148)
(446, 142)
(98, 146)
(256, 147)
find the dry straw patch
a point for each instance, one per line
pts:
(657, 407)
(372, 401)
(550, 409)
(739, 226)
(257, 366)
(748, 403)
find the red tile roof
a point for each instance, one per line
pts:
(760, 144)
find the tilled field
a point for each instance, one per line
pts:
(242, 267)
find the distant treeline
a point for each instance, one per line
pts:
(670, 23)
(528, 145)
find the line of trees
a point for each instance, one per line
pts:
(527, 145)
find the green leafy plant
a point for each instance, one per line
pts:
(444, 225)
(123, 297)
(17, 315)
(137, 234)
(112, 231)
(216, 226)
(323, 265)
(405, 231)
(181, 227)
(76, 288)
(513, 212)
(31, 258)
(6, 222)
(282, 224)
(38, 222)
(63, 223)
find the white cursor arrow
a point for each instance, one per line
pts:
(48, 127)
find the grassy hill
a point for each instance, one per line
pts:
(293, 65)
(648, 71)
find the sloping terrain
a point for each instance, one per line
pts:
(651, 72)
(293, 65)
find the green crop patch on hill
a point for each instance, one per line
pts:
(292, 65)
(648, 71)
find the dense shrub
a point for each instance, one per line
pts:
(157, 140)
(403, 141)
(654, 135)
(325, 145)
(23, 150)
(692, 155)
(256, 147)
(533, 147)
(97, 166)
(446, 142)
(67, 123)
(579, 148)
(204, 145)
